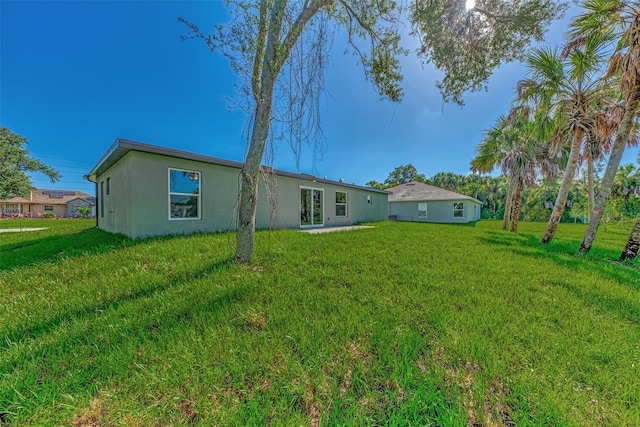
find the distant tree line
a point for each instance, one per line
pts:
(537, 200)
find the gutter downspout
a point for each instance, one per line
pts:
(97, 199)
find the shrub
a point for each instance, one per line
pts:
(49, 215)
(83, 211)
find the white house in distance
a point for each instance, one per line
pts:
(415, 201)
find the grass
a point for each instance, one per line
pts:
(401, 324)
(58, 239)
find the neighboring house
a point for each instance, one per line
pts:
(85, 202)
(41, 201)
(146, 190)
(415, 201)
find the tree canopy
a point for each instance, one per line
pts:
(468, 44)
(15, 163)
(279, 50)
(403, 174)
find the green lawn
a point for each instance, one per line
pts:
(401, 324)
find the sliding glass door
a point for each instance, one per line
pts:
(311, 207)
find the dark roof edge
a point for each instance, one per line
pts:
(154, 149)
(462, 197)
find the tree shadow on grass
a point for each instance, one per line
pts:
(52, 248)
(28, 332)
(91, 241)
(96, 345)
(566, 255)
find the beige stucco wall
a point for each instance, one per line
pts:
(138, 204)
(440, 211)
(37, 211)
(22, 207)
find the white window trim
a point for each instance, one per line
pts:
(346, 204)
(426, 211)
(169, 194)
(461, 210)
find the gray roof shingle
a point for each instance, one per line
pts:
(418, 192)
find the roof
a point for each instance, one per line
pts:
(40, 196)
(43, 196)
(419, 192)
(16, 199)
(123, 146)
(88, 200)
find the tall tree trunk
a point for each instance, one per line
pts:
(528, 208)
(495, 207)
(517, 200)
(265, 72)
(266, 67)
(591, 192)
(621, 141)
(507, 204)
(631, 249)
(563, 193)
(249, 184)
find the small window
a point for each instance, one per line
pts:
(48, 208)
(184, 194)
(341, 203)
(458, 210)
(369, 200)
(108, 186)
(101, 199)
(422, 210)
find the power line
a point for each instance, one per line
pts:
(65, 159)
(62, 182)
(69, 167)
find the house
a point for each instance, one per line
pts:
(146, 190)
(78, 202)
(415, 201)
(62, 203)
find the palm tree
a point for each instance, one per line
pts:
(618, 22)
(627, 182)
(491, 152)
(598, 145)
(633, 187)
(564, 86)
(633, 244)
(513, 144)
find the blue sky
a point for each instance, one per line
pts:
(77, 75)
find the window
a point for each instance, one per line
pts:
(13, 208)
(101, 199)
(458, 210)
(48, 208)
(369, 200)
(341, 203)
(422, 210)
(108, 186)
(184, 194)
